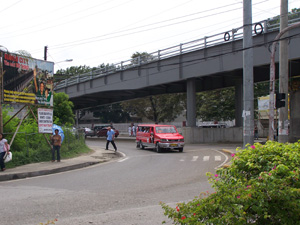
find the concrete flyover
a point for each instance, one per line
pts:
(205, 64)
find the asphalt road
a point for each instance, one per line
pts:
(126, 191)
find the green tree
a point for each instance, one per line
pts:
(62, 109)
(216, 105)
(81, 70)
(159, 108)
(293, 14)
(141, 57)
(74, 70)
(111, 114)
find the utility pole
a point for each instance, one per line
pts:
(45, 52)
(272, 78)
(283, 120)
(248, 112)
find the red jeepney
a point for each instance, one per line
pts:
(159, 137)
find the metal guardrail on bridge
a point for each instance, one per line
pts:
(258, 28)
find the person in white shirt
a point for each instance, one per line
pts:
(3, 149)
(129, 131)
(133, 130)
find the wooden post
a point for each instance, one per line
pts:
(1, 91)
(37, 122)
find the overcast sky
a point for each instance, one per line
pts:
(92, 32)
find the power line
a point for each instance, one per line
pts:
(10, 6)
(60, 24)
(26, 19)
(107, 36)
(235, 19)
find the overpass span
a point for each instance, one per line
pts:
(211, 63)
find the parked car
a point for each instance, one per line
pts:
(89, 132)
(159, 137)
(96, 128)
(103, 132)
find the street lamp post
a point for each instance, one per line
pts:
(66, 60)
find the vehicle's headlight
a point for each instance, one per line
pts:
(181, 140)
(163, 140)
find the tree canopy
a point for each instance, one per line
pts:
(162, 108)
(62, 109)
(111, 113)
(216, 105)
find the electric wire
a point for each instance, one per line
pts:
(160, 22)
(10, 6)
(116, 37)
(151, 24)
(61, 24)
(60, 45)
(38, 17)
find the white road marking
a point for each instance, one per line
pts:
(226, 159)
(217, 158)
(195, 158)
(205, 158)
(122, 160)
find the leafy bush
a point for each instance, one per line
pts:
(30, 147)
(260, 187)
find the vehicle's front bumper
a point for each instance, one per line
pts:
(171, 145)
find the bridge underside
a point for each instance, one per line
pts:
(205, 83)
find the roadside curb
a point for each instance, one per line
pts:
(229, 152)
(47, 168)
(15, 176)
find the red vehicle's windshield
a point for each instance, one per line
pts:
(165, 130)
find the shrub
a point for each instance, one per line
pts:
(260, 187)
(29, 146)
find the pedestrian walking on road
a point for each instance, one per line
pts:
(56, 142)
(255, 133)
(3, 149)
(129, 131)
(133, 131)
(110, 138)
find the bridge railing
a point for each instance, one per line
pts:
(202, 43)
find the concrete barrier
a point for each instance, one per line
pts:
(197, 135)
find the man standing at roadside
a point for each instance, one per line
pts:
(56, 142)
(110, 138)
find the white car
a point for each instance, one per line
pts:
(89, 132)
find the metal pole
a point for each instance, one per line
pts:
(272, 79)
(248, 112)
(283, 75)
(45, 52)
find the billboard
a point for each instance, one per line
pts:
(27, 80)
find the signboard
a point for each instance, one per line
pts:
(45, 120)
(27, 80)
(263, 107)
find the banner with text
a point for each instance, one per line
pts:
(27, 80)
(45, 120)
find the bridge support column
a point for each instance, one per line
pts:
(238, 102)
(191, 102)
